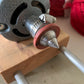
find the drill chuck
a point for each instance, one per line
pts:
(37, 27)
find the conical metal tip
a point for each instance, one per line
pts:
(49, 39)
(53, 43)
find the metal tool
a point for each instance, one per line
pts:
(49, 39)
(21, 19)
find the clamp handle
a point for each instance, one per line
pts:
(73, 58)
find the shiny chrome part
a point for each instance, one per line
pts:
(73, 58)
(49, 39)
(47, 17)
(20, 78)
(53, 43)
(33, 24)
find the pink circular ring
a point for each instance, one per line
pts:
(42, 31)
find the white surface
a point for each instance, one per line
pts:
(76, 43)
(59, 70)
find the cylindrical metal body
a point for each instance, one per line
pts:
(33, 24)
(38, 26)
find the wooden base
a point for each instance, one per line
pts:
(24, 56)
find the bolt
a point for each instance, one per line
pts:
(2, 27)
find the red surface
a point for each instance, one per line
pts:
(77, 12)
(77, 16)
(68, 5)
(42, 31)
(56, 7)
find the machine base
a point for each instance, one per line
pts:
(24, 56)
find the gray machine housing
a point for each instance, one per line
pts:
(13, 13)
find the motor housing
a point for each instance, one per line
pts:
(13, 14)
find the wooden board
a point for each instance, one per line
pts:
(24, 56)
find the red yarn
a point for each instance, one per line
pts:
(68, 5)
(56, 7)
(77, 12)
(77, 16)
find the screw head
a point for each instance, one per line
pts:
(2, 27)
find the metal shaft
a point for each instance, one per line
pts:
(49, 39)
(33, 24)
(20, 78)
(73, 58)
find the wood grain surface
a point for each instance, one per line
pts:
(24, 56)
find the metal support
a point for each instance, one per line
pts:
(20, 78)
(73, 58)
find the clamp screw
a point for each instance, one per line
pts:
(3, 27)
